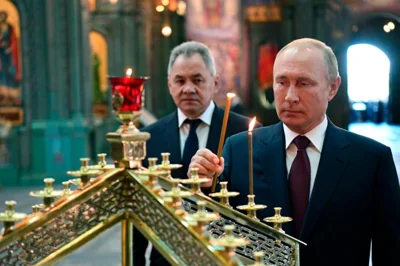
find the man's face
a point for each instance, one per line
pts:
(301, 88)
(191, 85)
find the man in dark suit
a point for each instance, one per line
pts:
(197, 122)
(341, 189)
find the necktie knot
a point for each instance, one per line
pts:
(194, 123)
(301, 142)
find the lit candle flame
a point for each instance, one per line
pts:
(129, 72)
(252, 124)
(231, 95)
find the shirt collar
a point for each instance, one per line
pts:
(316, 135)
(205, 117)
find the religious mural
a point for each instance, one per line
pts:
(266, 58)
(99, 64)
(10, 74)
(217, 24)
(10, 64)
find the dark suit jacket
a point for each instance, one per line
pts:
(355, 199)
(165, 138)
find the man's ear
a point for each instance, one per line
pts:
(216, 83)
(334, 87)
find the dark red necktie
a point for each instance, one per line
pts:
(299, 182)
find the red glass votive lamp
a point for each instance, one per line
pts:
(127, 93)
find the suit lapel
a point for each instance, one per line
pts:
(215, 130)
(271, 156)
(330, 170)
(172, 138)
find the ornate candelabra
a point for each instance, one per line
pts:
(173, 217)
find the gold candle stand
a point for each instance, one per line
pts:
(277, 220)
(252, 207)
(194, 180)
(224, 194)
(176, 194)
(167, 166)
(151, 176)
(102, 163)
(48, 194)
(9, 217)
(229, 242)
(35, 208)
(66, 190)
(152, 163)
(258, 256)
(202, 218)
(83, 174)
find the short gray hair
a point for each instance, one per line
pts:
(188, 49)
(330, 60)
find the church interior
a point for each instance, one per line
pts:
(57, 58)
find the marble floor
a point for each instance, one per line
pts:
(105, 250)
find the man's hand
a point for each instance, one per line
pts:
(208, 163)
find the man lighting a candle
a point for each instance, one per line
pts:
(197, 122)
(341, 189)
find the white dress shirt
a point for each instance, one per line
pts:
(316, 137)
(202, 130)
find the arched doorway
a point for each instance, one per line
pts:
(372, 29)
(99, 64)
(378, 62)
(368, 72)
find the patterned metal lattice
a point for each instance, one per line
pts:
(276, 252)
(56, 233)
(168, 229)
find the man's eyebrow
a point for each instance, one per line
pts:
(281, 77)
(300, 79)
(197, 75)
(178, 77)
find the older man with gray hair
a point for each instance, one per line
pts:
(341, 189)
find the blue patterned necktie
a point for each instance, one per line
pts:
(191, 144)
(299, 182)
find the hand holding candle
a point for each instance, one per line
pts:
(229, 97)
(250, 140)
